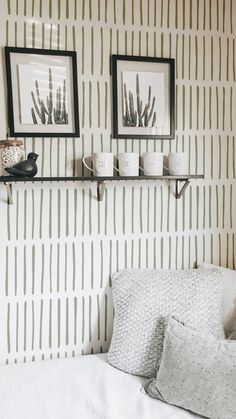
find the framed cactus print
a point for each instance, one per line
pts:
(42, 92)
(143, 97)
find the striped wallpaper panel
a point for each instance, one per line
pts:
(59, 245)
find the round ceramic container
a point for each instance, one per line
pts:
(11, 152)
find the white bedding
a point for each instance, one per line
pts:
(86, 387)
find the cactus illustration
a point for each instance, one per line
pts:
(148, 110)
(60, 113)
(38, 106)
(139, 103)
(126, 116)
(154, 119)
(142, 116)
(33, 116)
(130, 116)
(47, 113)
(133, 113)
(50, 97)
(57, 110)
(64, 113)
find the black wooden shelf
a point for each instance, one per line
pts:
(101, 182)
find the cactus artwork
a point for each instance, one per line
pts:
(130, 116)
(138, 113)
(52, 109)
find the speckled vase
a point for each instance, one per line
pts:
(11, 153)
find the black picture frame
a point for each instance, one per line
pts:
(72, 118)
(134, 63)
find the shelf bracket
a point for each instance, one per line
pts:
(101, 185)
(179, 192)
(9, 193)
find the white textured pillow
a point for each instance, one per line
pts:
(197, 373)
(229, 296)
(143, 298)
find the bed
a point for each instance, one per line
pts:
(86, 387)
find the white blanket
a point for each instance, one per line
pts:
(86, 387)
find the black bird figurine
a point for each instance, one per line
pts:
(26, 168)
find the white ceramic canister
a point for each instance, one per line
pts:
(11, 152)
(178, 164)
(102, 164)
(128, 164)
(152, 164)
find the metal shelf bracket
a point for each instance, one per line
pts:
(180, 191)
(9, 193)
(101, 185)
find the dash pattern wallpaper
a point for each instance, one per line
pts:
(58, 244)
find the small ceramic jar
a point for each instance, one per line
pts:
(11, 152)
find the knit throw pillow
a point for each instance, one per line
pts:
(197, 372)
(229, 296)
(143, 298)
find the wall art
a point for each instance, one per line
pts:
(42, 92)
(143, 97)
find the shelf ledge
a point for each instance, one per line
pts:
(101, 182)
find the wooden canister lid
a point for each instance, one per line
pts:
(10, 142)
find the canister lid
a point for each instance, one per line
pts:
(11, 142)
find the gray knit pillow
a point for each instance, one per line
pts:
(197, 372)
(144, 297)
